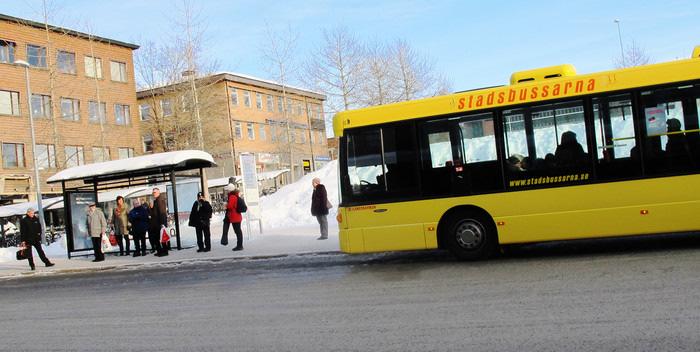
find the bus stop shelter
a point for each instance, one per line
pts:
(81, 184)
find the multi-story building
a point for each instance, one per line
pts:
(83, 97)
(237, 114)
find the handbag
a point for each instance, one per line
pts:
(22, 253)
(328, 204)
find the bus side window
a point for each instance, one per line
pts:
(618, 156)
(364, 163)
(671, 130)
(481, 171)
(437, 157)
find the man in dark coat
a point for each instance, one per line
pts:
(30, 234)
(159, 220)
(200, 217)
(319, 206)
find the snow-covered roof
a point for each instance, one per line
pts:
(137, 166)
(21, 208)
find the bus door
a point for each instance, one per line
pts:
(381, 172)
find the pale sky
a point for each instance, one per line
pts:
(474, 44)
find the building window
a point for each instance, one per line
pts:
(65, 61)
(270, 103)
(9, 103)
(246, 98)
(251, 131)
(234, 96)
(12, 155)
(310, 110)
(145, 112)
(273, 132)
(46, 156)
(239, 132)
(93, 112)
(7, 51)
(289, 106)
(261, 133)
(125, 153)
(318, 112)
(117, 71)
(100, 154)
(258, 101)
(292, 136)
(302, 136)
(93, 67)
(41, 105)
(147, 144)
(280, 104)
(167, 106)
(299, 104)
(311, 137)
(121, 114)
(36, 55)
(74, 155)
(70, 109)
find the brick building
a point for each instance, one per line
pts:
(239, 114)
(83, 102)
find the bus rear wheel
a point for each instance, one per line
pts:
(470, 236)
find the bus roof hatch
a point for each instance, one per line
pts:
(541, 74)
(696, 52)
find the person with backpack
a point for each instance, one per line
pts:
(234, 207)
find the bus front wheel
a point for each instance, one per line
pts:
(470, 236)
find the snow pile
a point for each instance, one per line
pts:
(291, 205)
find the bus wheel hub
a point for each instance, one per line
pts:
(469, 234)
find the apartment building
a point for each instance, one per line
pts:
(83, 101)
(238, 114)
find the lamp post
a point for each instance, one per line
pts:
(622, 50)
(200, 137)
(37, 180)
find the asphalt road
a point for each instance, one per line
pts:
(611, 295)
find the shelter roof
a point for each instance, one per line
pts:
(139, 166)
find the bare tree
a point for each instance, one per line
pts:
(634, 55)
(279, 53)
(183, 99)
(379, 85)
(415, 72)
(335, 68)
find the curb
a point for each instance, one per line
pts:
(188, 261)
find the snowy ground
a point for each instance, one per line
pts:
(288, 228)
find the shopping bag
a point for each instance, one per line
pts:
(105, 244)
(164, 237)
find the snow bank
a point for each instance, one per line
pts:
(55, 250)
(291, 205)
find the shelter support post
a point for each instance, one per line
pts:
(176, 217)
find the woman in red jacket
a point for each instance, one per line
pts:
(235, 218)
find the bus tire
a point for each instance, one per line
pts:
(470, 236)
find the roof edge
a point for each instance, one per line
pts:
(74, 33)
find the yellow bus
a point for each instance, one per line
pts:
(552, 156)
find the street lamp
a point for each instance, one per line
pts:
(619, 35)
(37, 180)
(200, 137)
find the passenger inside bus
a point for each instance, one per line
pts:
(569, 152)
